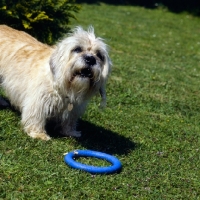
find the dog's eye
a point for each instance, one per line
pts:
(77, 50)
(100, 56)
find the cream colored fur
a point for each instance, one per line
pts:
(46, 82)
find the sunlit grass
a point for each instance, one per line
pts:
(151, 123)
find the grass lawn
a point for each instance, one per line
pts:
(151, 123)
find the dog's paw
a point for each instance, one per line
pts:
(74, 133)
(42, 136)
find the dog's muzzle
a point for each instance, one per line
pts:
(87, 71)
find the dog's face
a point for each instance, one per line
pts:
(81, 64)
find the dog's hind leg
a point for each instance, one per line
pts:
(3, 103)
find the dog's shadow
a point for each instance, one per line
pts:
(93, 137)
(99, 139)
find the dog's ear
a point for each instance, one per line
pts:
(102, 92)
(52, 64)
(56, 63)
(105, 73)
(59, 57)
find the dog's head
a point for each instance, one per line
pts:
(80, 65)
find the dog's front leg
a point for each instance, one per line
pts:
(70, 119)
(69, 126)
(34, 124)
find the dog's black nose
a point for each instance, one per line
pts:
(90, 60)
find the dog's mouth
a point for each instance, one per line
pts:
(84, 73)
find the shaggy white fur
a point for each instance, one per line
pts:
(52, 82)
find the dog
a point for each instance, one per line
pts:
(52, 82)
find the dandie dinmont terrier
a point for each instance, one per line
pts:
(45, 82)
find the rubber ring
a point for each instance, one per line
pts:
(115, 167)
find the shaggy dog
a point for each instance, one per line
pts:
(45, 82)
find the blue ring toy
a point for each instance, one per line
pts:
(69, 159)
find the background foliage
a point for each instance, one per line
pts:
(47, 20)
(191, 6)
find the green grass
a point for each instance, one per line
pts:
(151, 123)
